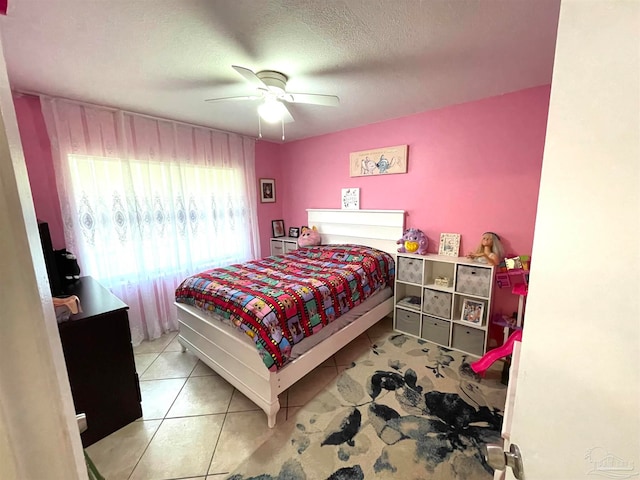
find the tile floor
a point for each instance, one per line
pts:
(195, 425)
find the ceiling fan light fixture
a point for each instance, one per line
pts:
(271, 111)
(274, 98)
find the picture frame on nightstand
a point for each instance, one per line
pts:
(277, 228)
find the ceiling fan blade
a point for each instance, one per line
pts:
(287, 117)
(313, 99)
(250, 77)
(241, 97)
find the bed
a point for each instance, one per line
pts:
(233, 354)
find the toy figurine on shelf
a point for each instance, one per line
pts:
(489, 251)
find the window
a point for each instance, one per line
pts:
(158, 218)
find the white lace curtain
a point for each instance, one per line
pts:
(146, 202)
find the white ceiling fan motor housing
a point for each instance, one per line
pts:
(276, 81)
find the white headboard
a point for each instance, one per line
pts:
(374, 228)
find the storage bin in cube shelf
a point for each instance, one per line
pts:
(468, 339)
(408, 322)
(437, 303)
(410, 270)
(436, 330)
(473, 280)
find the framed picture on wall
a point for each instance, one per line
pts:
(378, 161)
(267, 190)
(277, 227)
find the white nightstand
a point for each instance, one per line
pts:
(282, 245)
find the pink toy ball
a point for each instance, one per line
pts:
(413, 241)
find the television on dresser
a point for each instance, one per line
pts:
(50, 259)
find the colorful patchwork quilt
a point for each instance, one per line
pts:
(279, 300)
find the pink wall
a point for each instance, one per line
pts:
(37, 155)
(472, 167)
(268, 165)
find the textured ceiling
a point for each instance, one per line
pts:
(383, 58)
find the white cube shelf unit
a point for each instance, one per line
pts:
(430, 292)
(282, 245)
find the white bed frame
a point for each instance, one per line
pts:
(238, 361)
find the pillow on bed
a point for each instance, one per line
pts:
(309, 237)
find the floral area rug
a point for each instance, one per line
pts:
(407, 409)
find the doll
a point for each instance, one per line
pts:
(489, 251)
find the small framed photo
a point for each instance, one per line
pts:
(277, 227)
(294, 232)
(449, 244)
(267, 190)
(350, 198)
(472, 311)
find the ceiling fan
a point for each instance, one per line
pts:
(271, 90)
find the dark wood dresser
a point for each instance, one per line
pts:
(100, 363)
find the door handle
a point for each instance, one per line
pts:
(499, 459)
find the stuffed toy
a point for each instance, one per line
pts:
(413, 241)
(309, 237)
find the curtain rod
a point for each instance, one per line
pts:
(114, 109)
